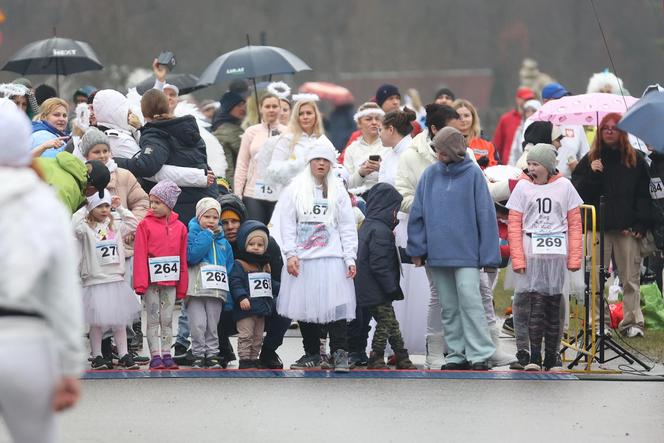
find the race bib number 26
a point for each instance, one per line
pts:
(260, 284)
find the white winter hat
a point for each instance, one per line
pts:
(111, 109)
(173, 87)
(94, 200)
(15, 132)
(321, 150)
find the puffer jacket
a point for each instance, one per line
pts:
(378, 268)
(229, 133)
(206, 248)
(160, 237)
(174, 142)
(68, 175)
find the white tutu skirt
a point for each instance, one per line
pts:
(545, 273)
(110, 304)
(321, 294)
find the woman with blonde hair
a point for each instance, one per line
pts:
(249, 183)
(469, 126)
(49, 128)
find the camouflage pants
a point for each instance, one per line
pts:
(387, 328)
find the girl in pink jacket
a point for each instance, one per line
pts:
(160, 269)
(545, 239)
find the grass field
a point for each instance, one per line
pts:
(652, 345)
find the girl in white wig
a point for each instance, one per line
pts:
(606, 82)
(319, 240)
(362, 157)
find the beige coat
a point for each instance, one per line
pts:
(132, 196)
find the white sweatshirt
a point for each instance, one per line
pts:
(309, 240)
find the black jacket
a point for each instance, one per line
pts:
(378, 271)
(626, 191)
(174, 142)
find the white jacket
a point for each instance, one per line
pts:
(91, 271)
(38, 262)
(339, 237)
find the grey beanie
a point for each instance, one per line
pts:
(92, 137)
(450, 141)
(544, 154)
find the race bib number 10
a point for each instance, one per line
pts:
(260, 285)
(164, 268)
(549, 243)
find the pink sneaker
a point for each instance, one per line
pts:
(156, 363)
(169, 363)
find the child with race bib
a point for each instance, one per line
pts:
(253, 290)
(108, 300)
(160, 269)
(210, 259)
(545, 239)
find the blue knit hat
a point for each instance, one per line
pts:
(386, 91)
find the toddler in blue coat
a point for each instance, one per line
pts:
(253, 290)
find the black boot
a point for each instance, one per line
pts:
(226, 350)
(270, 360)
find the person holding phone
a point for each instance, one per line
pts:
(362, 158)
(49, 130)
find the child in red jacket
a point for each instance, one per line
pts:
(160, 269)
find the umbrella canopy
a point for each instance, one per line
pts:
(186, 83)
(583, 109)
(338, 95)
(643, 119)
(251, 62)
(59, 56)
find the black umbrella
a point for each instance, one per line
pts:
(251, 62)
(59, 56)
(186, 83)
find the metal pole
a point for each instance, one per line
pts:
(602, 274)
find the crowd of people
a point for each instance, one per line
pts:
(248, 216)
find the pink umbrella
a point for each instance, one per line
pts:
(328, 91)
(583, 109)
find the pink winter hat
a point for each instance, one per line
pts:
(166, 191)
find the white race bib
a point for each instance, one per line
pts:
(264, 191)
(317, 213)
(549, 243)
(260, 284)
(656, 188)
(107, 252)
(214, 277)
(164, 268)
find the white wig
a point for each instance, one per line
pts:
(305, 184)
(605, 82)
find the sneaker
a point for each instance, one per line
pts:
(508, 326)
(247, 364)
(99, 363)
(179, 350)
(185, 360)
(358, 359)
(156, 362)
(552, 363)
(480, 366)
(326, 362)
(270, 360)
(140, 359)
(127, 362)
(307, 362)
(199, 363)
(341, 361)
(464, 366)
(535, 363)
(169, 363)
(632, 332)
(522, 359)
(213, 362)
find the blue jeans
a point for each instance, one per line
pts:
(464, 320)
(183, 328)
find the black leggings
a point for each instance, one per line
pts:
(260, 210)
(311, 333)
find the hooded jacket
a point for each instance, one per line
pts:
(378, 267)
(68, 175)
(39, 265)
(261, 306)
(453, 220)
(205, 247)
(174, 142)
(160, 237)
(626, 191)
(111, 111)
